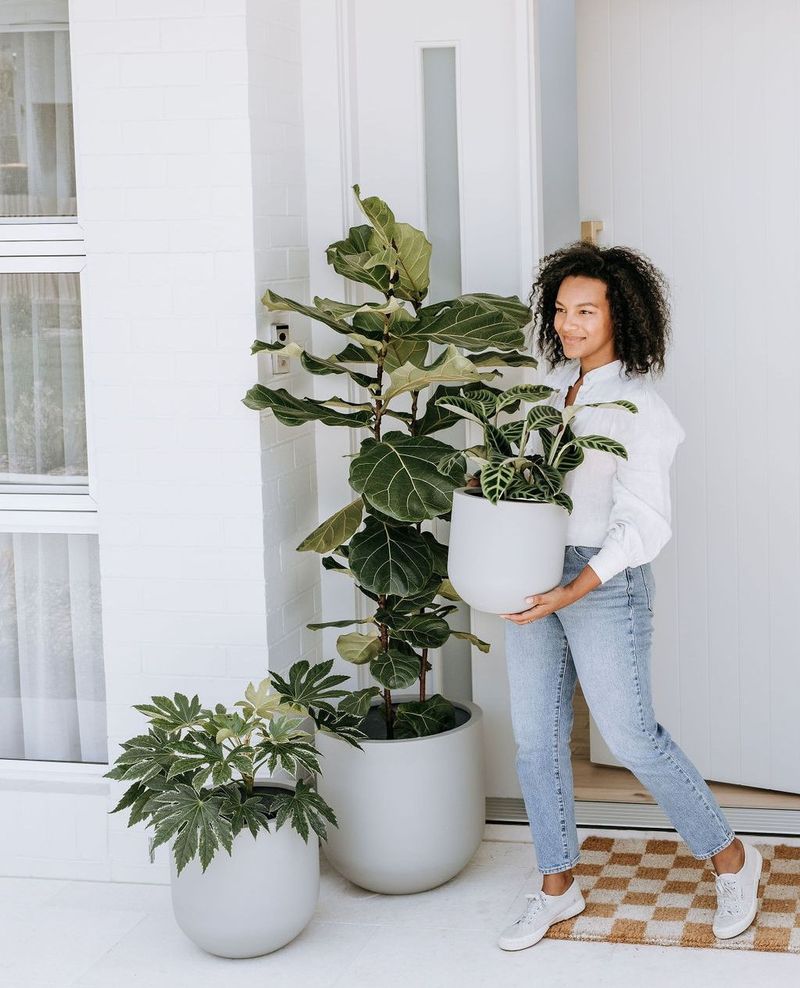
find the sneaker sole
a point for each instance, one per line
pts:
(535, 937)
(751, 915)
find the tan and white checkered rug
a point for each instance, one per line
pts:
(654, 891)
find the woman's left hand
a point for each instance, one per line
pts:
(543, 604)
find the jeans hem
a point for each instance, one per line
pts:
(705, 857)
(558, 868)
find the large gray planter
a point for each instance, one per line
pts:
(502, 553)
(411, 812)
(255, 900)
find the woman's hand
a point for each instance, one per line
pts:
(543, 604)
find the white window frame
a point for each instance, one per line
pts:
(52, 245)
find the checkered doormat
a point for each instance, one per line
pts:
(654, 891)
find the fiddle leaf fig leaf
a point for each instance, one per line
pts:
(296, 411)
(398, 475)
(473, 326)
(334, 530)
(278, 303)
(417, 719)
(472, 639)
(351, 258)
(414, 257)
(450, 367)
(357, 647)
(390, 560)
(396, 669)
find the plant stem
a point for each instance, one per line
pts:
(422, 674)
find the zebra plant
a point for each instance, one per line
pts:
(507, 469)
(398, 352)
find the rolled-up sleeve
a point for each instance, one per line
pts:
(640, 519)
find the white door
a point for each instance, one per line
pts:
(689, 148)
(431, 107)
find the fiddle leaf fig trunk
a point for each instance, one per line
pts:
(401, 474)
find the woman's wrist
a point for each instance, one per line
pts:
(583, 583)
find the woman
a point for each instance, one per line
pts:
(603, 322)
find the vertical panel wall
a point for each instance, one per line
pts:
(688, 139)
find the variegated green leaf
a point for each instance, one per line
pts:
(602, 443)
(357, 647)
(449, 366)
(495, 480)
(399, 477)
(395, 669)
(336, 530)
(473, 639)
(390, 560)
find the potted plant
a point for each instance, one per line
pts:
(194, 781)
(512, 524)
(411, 808)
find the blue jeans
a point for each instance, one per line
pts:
(604, 640)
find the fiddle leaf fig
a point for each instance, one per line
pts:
(399, 476)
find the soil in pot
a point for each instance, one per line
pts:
(374, 724)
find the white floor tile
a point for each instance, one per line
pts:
(63, 934)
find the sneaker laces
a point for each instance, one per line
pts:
(728, 896)
(533, 907)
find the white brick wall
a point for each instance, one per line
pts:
(191, 195)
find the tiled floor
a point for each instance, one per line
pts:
(59, 934)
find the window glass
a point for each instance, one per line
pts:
(42, 405)
(52, 688)
(37, 151)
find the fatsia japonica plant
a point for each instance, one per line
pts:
(398, 352)
(193, 774)
(507, 468)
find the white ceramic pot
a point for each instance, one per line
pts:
(411, 812)
(502, 553)
(255, 900)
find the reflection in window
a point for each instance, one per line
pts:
(52, 690)
(42, 406)
(37, 151)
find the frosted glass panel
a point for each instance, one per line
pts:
(441, 171)
(42, 405)
(37, 148)
(52, 689)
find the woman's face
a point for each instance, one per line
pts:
(583, 319)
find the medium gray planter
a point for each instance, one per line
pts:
(502, 553)
(411, 812)
(255, 900)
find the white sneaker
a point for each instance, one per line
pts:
(737, 895)
(541, 911)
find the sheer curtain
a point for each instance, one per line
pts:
(52, 687)
(37, 153)
(42, 405)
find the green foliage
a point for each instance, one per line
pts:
(193, 774)
(405, 358)
(506, 470)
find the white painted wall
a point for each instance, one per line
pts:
(191, 195)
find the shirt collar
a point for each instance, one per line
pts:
(605, 371)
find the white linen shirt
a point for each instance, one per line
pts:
(622, 506)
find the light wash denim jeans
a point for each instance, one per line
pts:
(604, 640)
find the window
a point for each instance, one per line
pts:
(52, 686)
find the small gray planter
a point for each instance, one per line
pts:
(502, 553)
(255, 900)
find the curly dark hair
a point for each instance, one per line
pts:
(638, 296)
